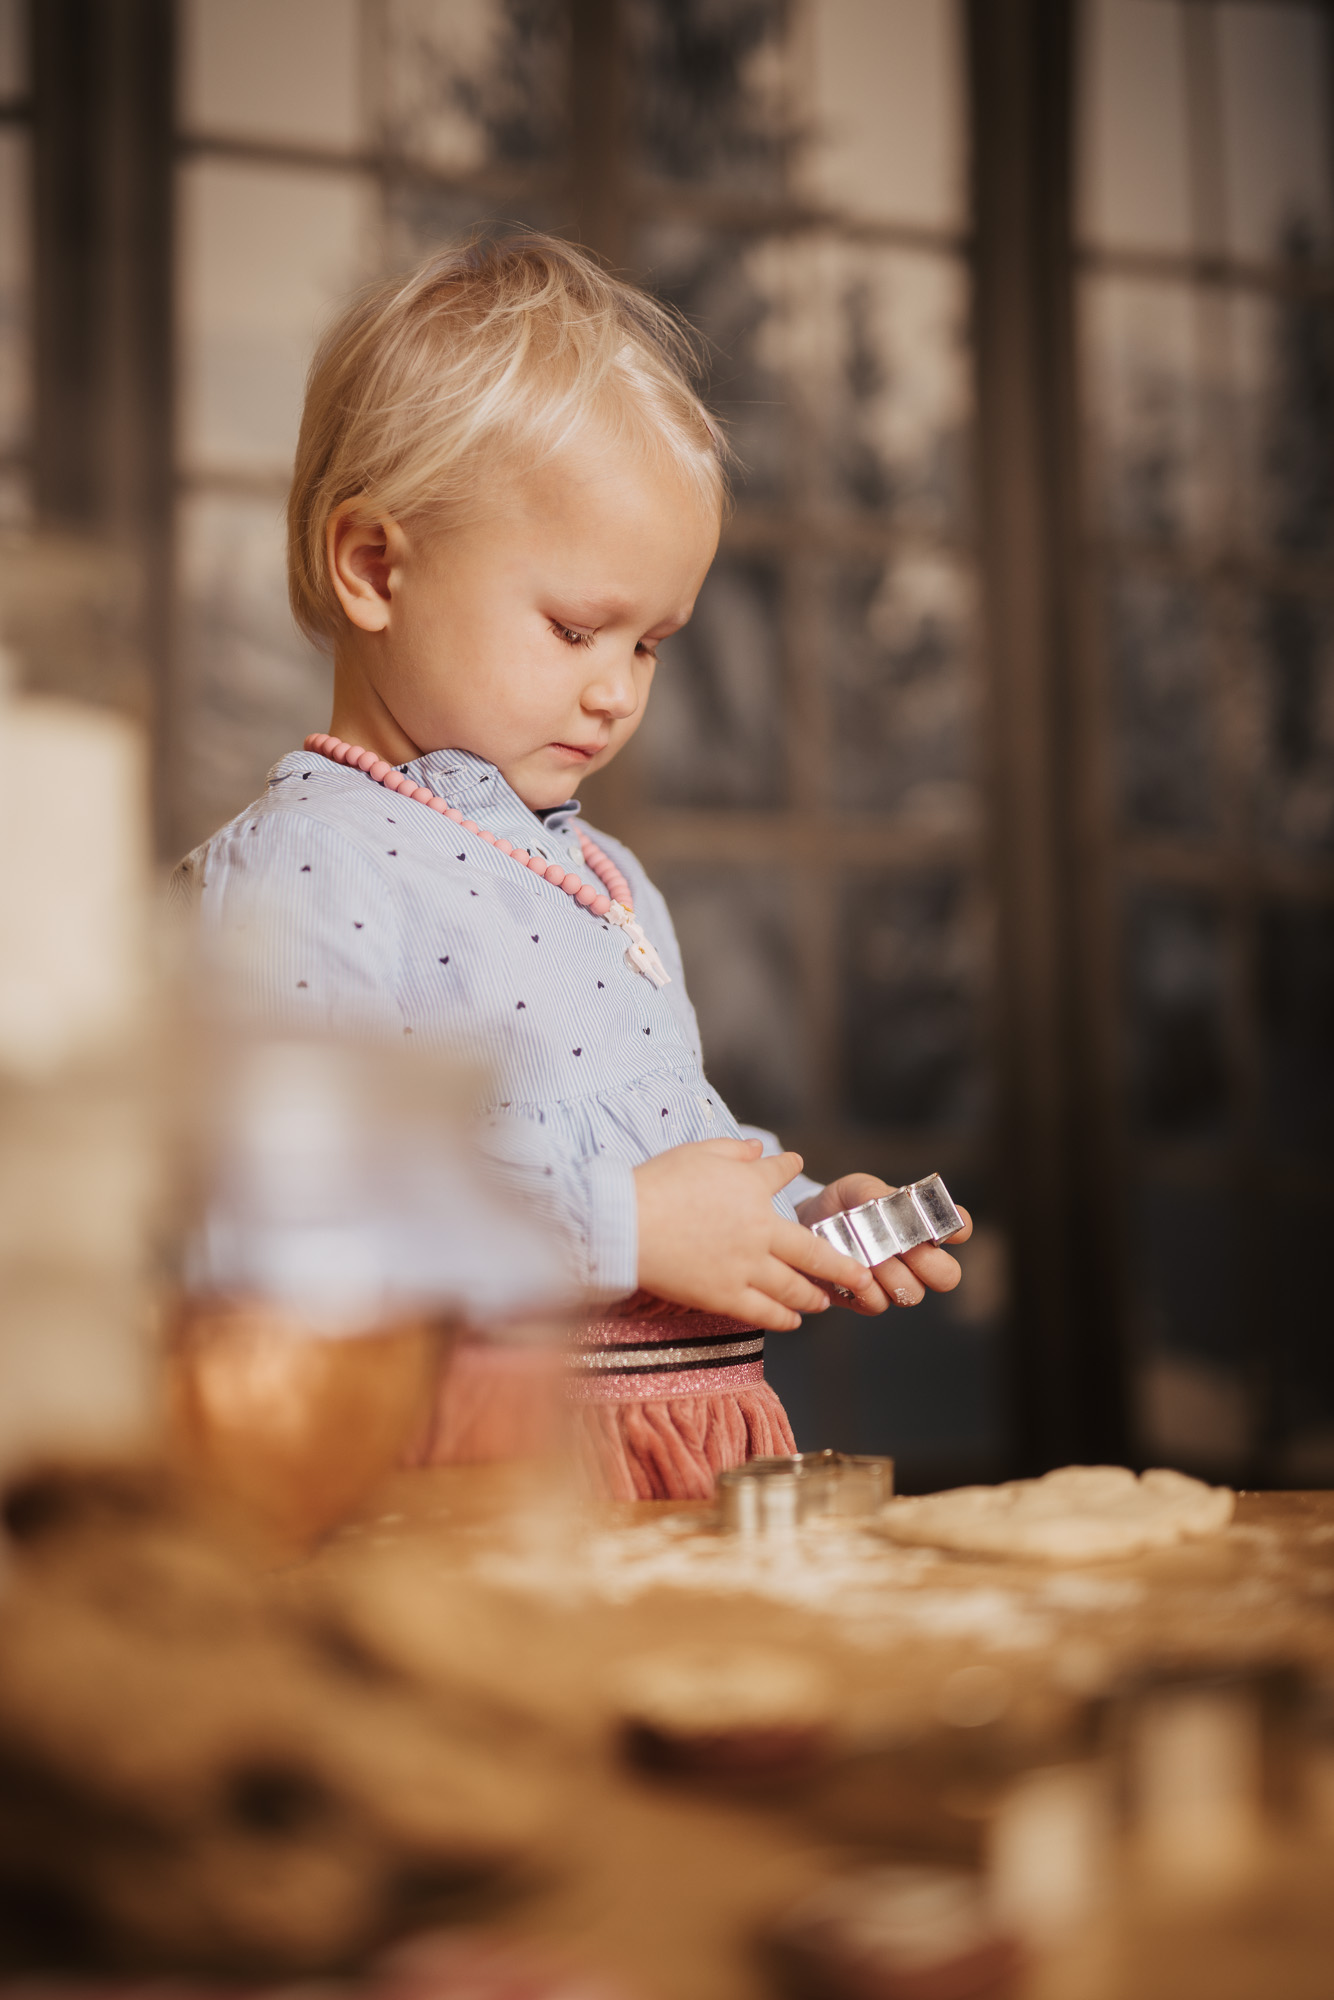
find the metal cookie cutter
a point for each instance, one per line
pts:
(770, 1496)
(893, 1223)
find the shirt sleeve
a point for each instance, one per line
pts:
(298, 926)
(589, 1203)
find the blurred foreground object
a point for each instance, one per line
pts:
(78, 1144)
(724, 1711)
(1208, 1761)
(473, 1966)
(72, 608)
(298, 1429)
(344, 1235)
(897, 1933)
(201, 1776)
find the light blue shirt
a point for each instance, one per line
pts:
(360, 911)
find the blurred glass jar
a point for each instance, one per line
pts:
(341, 1233)
(1206, 1757)
(81, 1159)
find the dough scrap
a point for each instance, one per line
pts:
(1080, 1513)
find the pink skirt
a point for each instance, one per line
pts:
(662, 1400)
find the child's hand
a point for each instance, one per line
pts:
(709, 1237)
(904, 1279)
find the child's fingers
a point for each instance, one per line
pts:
(928, 1265)
(934, 1267)
(796, 1246)
(728, 1149)
(869, 1303)
(777, 1169)
(779, 1281)
(853, 1189)
(756, 1309)
(898, 1283)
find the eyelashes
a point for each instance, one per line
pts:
(569, 636)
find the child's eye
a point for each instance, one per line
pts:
(570, 635)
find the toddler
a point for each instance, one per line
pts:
(506, 496)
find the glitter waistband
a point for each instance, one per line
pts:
(639, 1358)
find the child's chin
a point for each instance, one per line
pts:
(539, 795)
(541, 788)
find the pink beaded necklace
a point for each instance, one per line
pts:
(617, 905)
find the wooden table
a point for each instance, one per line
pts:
(666, 1887)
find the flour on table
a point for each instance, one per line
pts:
(834, 1569)
(1081, 1513)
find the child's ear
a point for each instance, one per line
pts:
(363, 556)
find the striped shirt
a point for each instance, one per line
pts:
(360, 911)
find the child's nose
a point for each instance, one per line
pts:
(613, 692)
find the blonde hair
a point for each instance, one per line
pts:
(485, 360)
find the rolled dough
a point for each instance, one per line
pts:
(1079, 1514)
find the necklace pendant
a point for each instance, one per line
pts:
(644, 959)
(639, 955)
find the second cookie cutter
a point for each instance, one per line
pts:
(920, 1213)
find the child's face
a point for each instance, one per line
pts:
(528, 637)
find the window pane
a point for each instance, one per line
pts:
(421, 218)
(1284, 350)
(854, 105)
(1148, 405)
(1275, 72)
(870, 345)
(741, 961)
(881, 111)
(288, 70)
(15, 283)
(265, 254)
(719, 282)
(1134, 165)
(714, 731)
(1293, 663)
(930, 1391)
(251, 687)
(15, 499)
(713, 100)
(1159, 660)
(1174, 971)
(13, 48)
(1194, 1395)
(1297, 1011)
(1299, 1303)
(471, 82)
(902, 691)
(912, 949)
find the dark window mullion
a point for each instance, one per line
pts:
(102, 314)
(1052, 1140)
(1234, 772)
(1310, 577)
(1208, 272)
